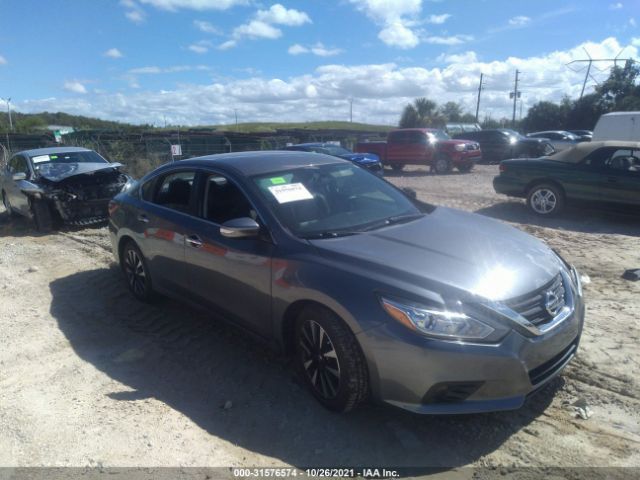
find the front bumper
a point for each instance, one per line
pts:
(430, 376)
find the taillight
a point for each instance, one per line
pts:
(502, 168)
(113, 206)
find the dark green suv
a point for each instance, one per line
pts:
(601, 173)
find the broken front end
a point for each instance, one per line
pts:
(83, 199)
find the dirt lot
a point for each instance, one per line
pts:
(90, 377)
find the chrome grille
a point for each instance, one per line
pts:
(542, 305)
(472, 146)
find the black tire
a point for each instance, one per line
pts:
(465, 168)
(397, 167)
(442, 165)
(42, 216)
(333, 348)
(7, 205)
(136, 272)
(545, 199)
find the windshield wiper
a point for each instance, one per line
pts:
(330, 234)
(395, 219)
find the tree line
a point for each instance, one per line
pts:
(620, 92)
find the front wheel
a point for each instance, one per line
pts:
(42, 216)
(330, 360)
(465, 168)
(134, 267)
(442, 165)
(397, 167)
(545, 199)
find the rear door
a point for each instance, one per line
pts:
(230, 275)
(169, 203)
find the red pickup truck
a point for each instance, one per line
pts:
(424, 146)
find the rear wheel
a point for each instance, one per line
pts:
(42, 215)
(330, 360)
(136, 272)
(465, 168)
(545, 199)
(397, 167)
(442, 165)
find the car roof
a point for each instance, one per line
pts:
(581, 150)
(52, 150)
(313, 144)
(259, 162)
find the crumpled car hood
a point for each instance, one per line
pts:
(56, 172)
(363, 158)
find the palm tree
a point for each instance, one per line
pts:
(421, 113)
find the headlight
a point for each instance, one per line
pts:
(437, 323)
(460, 147)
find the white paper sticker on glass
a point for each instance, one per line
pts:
(40, 159)
(292, 192)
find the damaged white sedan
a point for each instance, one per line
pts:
(68, 185)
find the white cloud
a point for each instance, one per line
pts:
(133, 12)
(3, 61)
(174, 5)
(75, 87)
(616, 6)
(397, 34)
(438, 19)
(200, 47)
(262, 25)
(153, 70)
(449, 40)
(632, 22)
(206, 27)
(279, 15)
(113, 53)
(322, 94)
(318, 49)
(519, 21)
(397, 19)
(466, 57)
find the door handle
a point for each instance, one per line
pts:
(193, 241)
(143, 218)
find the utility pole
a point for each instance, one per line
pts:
(351, 110)
(515, 94)
(8, 100)
(236, 112)
(590, 61)
(479, 92)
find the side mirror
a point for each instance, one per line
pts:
(410, 192)
(242, 227)
(19, 176)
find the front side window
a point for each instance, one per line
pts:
(174, 191)
(331, 200)
(224, 201)
(18, 164)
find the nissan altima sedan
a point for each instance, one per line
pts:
(375, 296)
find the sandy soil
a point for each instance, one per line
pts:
(90, 377)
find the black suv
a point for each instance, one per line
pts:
(503, 143)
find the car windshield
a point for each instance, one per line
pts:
(67, 157)
(336, 150)
(512, 133)
(333, 200)
(440, 134)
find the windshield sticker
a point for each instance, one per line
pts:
(53, 157)
(293, 192)
(40, 159)
(278, 180)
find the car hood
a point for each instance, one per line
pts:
(56, 172)
(364, 158)
(449, 250)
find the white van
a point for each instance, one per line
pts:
(623, 126)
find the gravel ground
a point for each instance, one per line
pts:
(90, 377)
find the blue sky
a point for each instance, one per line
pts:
(198, 61)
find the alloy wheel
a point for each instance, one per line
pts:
(544, 201)
(319, 359)
(134, 270)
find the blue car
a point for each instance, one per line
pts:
(370, 161)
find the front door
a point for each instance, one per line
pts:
(231, 275)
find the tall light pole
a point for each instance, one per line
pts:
(8, 100)
(479, 93)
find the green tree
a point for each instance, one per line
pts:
(452, 112)
(421, 113)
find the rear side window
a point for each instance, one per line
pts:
(175, 191)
